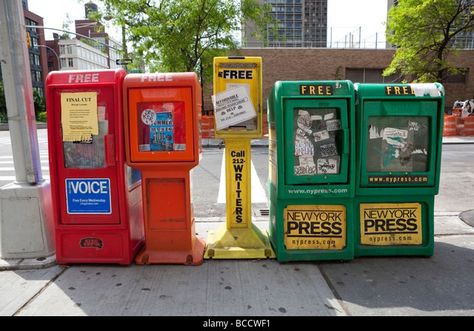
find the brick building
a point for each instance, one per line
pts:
(37, 52)
(358, 65)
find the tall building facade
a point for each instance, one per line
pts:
(299, 23)
(95, 30)
(82, 53)
(36, 52)
(77, 55)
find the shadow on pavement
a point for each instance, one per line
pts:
(441, 284)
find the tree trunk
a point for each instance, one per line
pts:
(201, 73)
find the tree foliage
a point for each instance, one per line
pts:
(424, 33)
(39, 104)
(183, 35)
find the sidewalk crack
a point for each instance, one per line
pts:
(52, 280)
(333, 290)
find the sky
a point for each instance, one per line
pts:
(55, 13)
(345, 18)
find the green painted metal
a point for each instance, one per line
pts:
(372, 101)
(398, 162)
(322, 101)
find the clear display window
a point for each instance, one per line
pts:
(398, 144)
(89, 153)
(317, 141)
(161, 126)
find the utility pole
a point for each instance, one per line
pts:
(25, 230)
(124, 45)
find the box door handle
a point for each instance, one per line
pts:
(345, 148)
(109, 142)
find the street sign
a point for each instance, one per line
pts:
(121, 62)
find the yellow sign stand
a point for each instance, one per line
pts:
(238, 238)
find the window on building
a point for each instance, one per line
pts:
(63, 62)
(39, 90)
(370, 75)
(355, 74)
(36, 59)
(61, 49)
(69, 49)
(36, 76)
(70, 62)
(459, 77)
(374, 76)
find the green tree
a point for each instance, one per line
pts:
(39, 103)
(424, 33)
(66, 27)
(184, 35)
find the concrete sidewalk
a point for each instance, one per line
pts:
(439, 285)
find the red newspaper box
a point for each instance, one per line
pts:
(161, 113)
(97, 202)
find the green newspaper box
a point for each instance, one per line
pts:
(398, 165)
(311, 170)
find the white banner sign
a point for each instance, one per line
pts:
(232, 107)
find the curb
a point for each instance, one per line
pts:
(27, 264)
(458, 140)
(219, 143)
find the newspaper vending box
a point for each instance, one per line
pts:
(399, 155)
(97, 202)
(161, 112)
(311, 169)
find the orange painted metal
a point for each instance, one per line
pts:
(468, 126)
(449, 128)
(169, 222)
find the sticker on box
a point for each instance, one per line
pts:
(161, 132)
(148, 117)
(394, 133)
(413, 126)
(328, 150)
(316, 118)
(329, 116)
(374, 132)
(321, 135)
(232, 107)
(333, 125)
(327, 166)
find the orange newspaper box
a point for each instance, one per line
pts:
(161, 112)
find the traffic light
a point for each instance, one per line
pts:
(28, 39)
